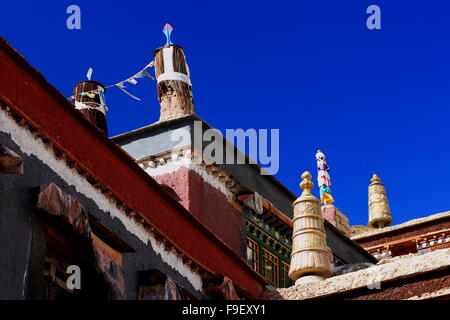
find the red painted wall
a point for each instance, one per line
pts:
(209, 205)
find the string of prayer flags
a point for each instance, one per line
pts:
(132, 80)
(121, 85)
(323, 179)
(167, 30)
(148, 75)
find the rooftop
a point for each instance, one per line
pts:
(366, 232)
(373, 277)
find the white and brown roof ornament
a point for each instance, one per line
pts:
(89, 99)
(311, 257)
(379, 212)
(173, 80)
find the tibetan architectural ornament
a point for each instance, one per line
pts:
(89, 99)
(379, 212)
(173, 80)
(323, 179)
(311, 257)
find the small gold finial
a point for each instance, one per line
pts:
(306, 185)
(375, 178)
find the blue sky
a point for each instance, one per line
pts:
(372, 100)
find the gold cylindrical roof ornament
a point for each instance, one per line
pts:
(173, 80)
(379, 212)
(311, 257)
